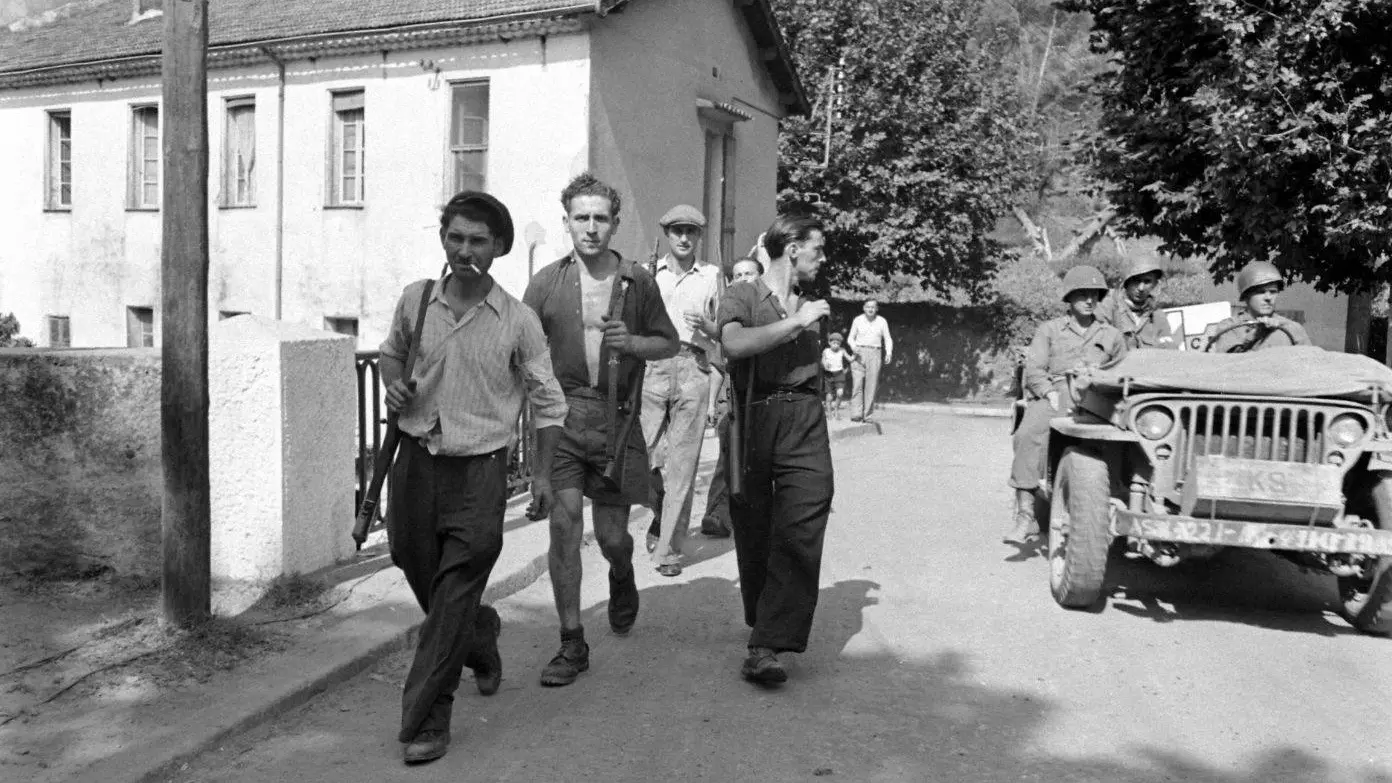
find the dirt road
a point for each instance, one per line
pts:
(938, 655)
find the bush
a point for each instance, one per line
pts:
(9, 333)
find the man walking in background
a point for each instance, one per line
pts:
(676, 391)
(872, 345)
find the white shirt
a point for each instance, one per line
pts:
(594, 305)
(871, 334)
(692, 290)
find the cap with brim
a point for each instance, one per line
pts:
(683, 215)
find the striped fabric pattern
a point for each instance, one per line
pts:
(473, 375)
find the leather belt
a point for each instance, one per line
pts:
(784, 395)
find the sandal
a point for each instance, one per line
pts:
(670, 569)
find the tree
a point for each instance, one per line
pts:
(928, 143)
(9, 333)
(1252, 130)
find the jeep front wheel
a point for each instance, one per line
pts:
(1079, 529)
(1367, 599)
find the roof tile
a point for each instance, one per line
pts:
(100, 31)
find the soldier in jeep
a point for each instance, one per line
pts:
(1134, 309)
(1259, 283)
(1070, 342)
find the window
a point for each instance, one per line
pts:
(239, 157)
(341, 325)
(469, 136)
(346, 149)
(140, 327)
(59, 186)
(719, 204)
(59, 331)
(145, 158)
(223, 315)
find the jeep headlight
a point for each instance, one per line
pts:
(1154, 422)
(1346, 430)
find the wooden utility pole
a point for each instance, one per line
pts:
(187, 585)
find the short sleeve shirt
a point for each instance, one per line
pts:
(795, 364)
(554, 293)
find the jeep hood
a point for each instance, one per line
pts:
(1290, 371)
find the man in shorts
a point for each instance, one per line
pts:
(596, 343)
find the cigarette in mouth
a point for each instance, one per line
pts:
(477, 271)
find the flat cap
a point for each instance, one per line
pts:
(488, 203)
(683, 215)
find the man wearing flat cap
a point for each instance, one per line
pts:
(676, 391)
(481, 353)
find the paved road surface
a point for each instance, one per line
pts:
(938, 655)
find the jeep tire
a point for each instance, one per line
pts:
(1367, 600)
(1079, 528)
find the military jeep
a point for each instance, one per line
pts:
(1183, 454)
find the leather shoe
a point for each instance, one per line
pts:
(763, 668)
(487, 662)
(428, 745)
(623, 602)
(573, 658)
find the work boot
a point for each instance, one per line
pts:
(763, 668)
(1026, 528)
(428, 745)
(485, 660)
(573, 658)
(623, 602)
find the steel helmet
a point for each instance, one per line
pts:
(1083, 278)
(1142, 266)
(1255, 274)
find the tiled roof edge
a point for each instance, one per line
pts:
(300, 47)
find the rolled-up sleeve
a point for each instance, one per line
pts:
(543, 390)
(736, 307)
(1037, 361)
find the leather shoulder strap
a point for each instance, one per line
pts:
(413, 350)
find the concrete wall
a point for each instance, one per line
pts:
(93, 262)
(651, 64)
(81, 462)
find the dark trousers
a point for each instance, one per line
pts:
(717, 516)
(781, 520)
(445, 527)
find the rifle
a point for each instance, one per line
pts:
(737, 458)
(387, 454)
(616, 443)
(653, 257)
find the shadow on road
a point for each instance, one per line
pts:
(1250, 587)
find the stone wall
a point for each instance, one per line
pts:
(80, 456)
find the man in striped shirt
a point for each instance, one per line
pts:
(481, 354)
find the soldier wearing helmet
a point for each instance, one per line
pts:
(1135, 310)
(1060, 346)
(1259, 283)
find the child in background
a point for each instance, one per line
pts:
(835, 362)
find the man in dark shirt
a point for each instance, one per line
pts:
(779, 522)
(592, 347)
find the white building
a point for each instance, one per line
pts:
(338, 127)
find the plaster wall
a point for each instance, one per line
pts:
(93, 261)
(283, 408)
(83, 477)
(651, 64)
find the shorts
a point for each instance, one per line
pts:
(580, 456)
(834, 383)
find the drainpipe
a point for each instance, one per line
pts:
(280, 184)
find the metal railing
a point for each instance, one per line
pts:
(372, 425)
